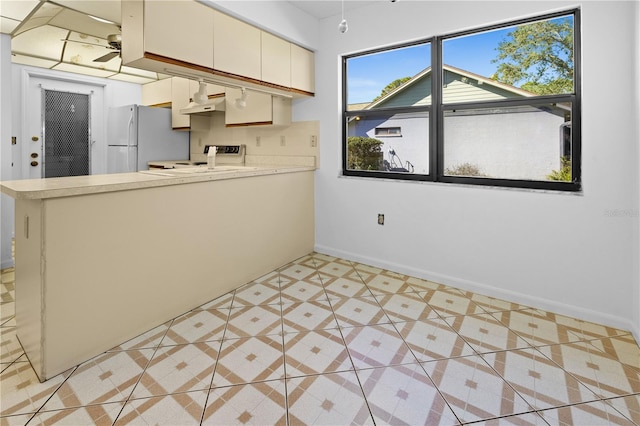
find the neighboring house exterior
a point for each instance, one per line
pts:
(478, 137)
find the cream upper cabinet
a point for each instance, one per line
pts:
(180, 97)
(157, 93)
(180, 30)
(260, 109)
(236, 47)
(276, 60)
(302, 69)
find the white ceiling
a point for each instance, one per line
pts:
(325, 8)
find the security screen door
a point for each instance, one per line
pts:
(66, 134)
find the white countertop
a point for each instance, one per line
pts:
(34, 189)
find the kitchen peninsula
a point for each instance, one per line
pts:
(101, 259)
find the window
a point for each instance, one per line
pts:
(492, 106)
(388, 131)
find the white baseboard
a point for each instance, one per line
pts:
(487, 290)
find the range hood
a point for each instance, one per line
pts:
(201, 102)
(212, 105)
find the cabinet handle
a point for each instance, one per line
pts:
(26, 226)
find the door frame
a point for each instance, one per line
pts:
(35, 81)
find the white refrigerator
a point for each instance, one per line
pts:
(137, 134)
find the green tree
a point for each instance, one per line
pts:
(391, 86)
(564, 174)
(538, 57)
(364, 153)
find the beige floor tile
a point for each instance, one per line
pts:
(623, 348)
(538, 380)
(298, 272)
(261, 403)
(254, 321)
(473, 390)
(7, 311)
(433, 339)
(338, 268)
(485, 334)
(19, 420)
(176, 369)
(197, 326)
(98, 415)
(315, 352)
(377, 346)
(257, 294)
(420, 285)
(344, 287)
(21, 392)
(182, 409)
(628, 406)
(222, 302)
(592, 413)
(492, 304)
(448, 303)
(247, 360)
(10, 348)
(358, 311)
(7, 292)
(405, 307)
(302, 291)
(109, 377)
(329, 399)
(606, 376)
(310, 315)
(388, 283)
(536, 327)
(527, 419)
(149, 340)
(404, 394)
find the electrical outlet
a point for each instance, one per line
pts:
(380, 219)
(282, 141)
(314, 141)
(257, 140)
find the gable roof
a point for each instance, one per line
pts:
(465, 77)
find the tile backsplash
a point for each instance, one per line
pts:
(300, 139)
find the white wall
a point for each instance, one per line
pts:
(6, 202)
(571, 254)
(636, 233)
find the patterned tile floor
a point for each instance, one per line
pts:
(327, 341)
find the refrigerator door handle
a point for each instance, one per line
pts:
(129, 134)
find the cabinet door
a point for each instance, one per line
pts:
(179, 99)
(302, 69)
(276, 60)
(181, 30)
(259, 108)
(236, 47)
(157, 93)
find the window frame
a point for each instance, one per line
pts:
(436, 112)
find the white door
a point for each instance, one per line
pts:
(33, 131)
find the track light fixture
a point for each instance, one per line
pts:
(343, 27)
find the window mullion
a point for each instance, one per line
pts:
(436, 122)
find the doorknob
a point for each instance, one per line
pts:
(34, 155)
(34, 163)
(35, 138)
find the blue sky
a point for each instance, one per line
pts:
(369, 74)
